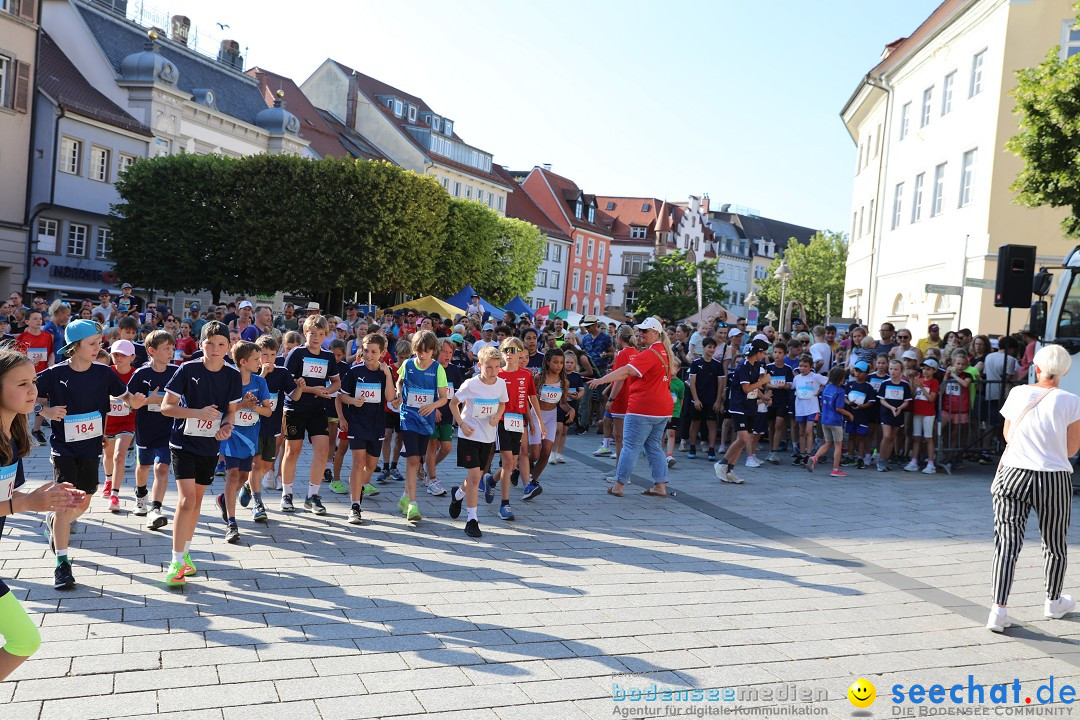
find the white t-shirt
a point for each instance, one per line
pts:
(996, 367)
(1040, 441)
(481, 344)
(806, 389)
(697, 346)
(481, 404)
(821, 352)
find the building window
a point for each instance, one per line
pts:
(547, 251)
(905, 118)
(398, 107)
(946, 93)
(449, 127)
(577, 246)
(446, 184)
(70, 155)
(601, 251)
(599, 284)
(1070, 38)
(553, 279)
(104, 243)
(576, 282)
(46, 235)
(541, 278)
(916, 200)
(499, 202)
(412, 113)
(76, 244)
(538, 303)
(5, 78)
(870, 219)
(898, 202)
(645, 207)
(860, 223)
(457, 189)
(556, 253)
(633, 264)
(491, 200)
(592, 214)
(939, 190)
(967, 178)
(578, 209)
(573, 304)
(854, 221)
(99, 164)
(638, 233)
(589, 252)
(588, 281)
(126, 161)
(977, 73)
(468, 192)
(927, 102)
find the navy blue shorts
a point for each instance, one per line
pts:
(856, 428)
(241, 464)
(887, 418)
(151, 456)
(372, 447)
(415, 443)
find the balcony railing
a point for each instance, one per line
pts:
(451, 149)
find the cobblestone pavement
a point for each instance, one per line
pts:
(791, 581)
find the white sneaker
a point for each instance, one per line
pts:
(434, 488)
(1059, 608)
(929, 469)
(140, 506)
(725, 475)
(682, 446)
(912, 466)
(721, 450)
(602, 451)
(129, 459)
(156, 519)
(999, 618)
(560, 458)
(752, 461)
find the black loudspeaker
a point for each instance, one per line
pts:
(1015, 270)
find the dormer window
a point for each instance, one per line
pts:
(399, 107)
(412, 113)
(436, 123)
(390, 103)
(449, 127)
(578, 209)
(592, 214)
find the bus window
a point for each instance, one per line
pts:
(1068, 324)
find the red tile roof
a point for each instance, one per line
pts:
(631, 211)
(519, 205)
(371, 87)
(61, 82)
(570, 192)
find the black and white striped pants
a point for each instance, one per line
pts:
(1016, 492)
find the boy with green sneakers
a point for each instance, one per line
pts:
(365, 390)
(422, 390)
(441, 440)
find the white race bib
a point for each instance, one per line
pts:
(37, 355)
(202, 428)
(804, 392)
(485, 408)
(178, 356)
(514, 422)
(274, 402)
(82, 427)
(245, 417)
(420, 399)
(856, 398)
(952, 388)
(153, 401)
(894, 393)
(8, 474)
(369, 392)
(550, 394)
(117, 407)
(316, 368)
(777, 381)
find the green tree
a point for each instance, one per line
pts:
(471, 242)
(1048, 103)
(668, 287)
(519, 250)
(817, 272)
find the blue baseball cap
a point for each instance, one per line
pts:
(77, 330)
(862, 365)
(456, 337)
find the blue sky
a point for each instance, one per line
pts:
(737, 99)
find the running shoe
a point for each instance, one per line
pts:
(245, 495)
(140, 506)
(220, 469)
(412, 513)
(911, 467)
(189, 566)
(50, 522)
(403, 504)
(773, 459)
(328, 475)
(354, 515)
(682, 446)
(711, 457)
(286, 503)
(339, 488)
(752, 461)
(838, 473)
(532, 490)
(1059, 608)
(176, 575)
(929, 469)
(670, 461)
(472, 529)
(881, 467)
(62, 577)
(560, 458)
(395, 475)
(232, 534)
(455, 504)
(487, 486)
(731, 477)
(370, 490)
(39, 438)
(314, 504)
(811, 463)
(602, 451)
(108, 489)
(434, 488)
(383, 477)
(692, 454)
(515, 475)
(155, 519)
(129, 459)
(114, 503)
(506, 513)
(861, 465)
(721, 450)
(220, 502)
(798, 460)
(258, 513)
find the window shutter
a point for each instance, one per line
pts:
(21, 99)
(28, 9)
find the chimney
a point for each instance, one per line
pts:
(547, 166)
(229, 54)
(351, 100)
(705, 204)
(181, 25)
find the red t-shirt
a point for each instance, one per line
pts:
(120, 423)
(624, 356)
(519, 386)
(650, 394)
(924, 406)
(38, 348)
(188, 346)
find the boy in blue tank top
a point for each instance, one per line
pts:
(421, 391)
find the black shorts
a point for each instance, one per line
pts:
(673, 424)
(415, 443)
(372, 447)
(775, 412)
(706, 413)
(267, 450)
(761, 423)
(312, 422)
(508, 441)
(744, 422)
(393, 421)
(82, 472)
(187, 465)
(472, 454)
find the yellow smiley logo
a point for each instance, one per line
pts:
(862, 693)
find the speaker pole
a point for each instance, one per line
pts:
(1008, 323)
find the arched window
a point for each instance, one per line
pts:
(898, 305)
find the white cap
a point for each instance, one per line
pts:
(910, 355)
(761, 336)
(243, 304)
(650, 323)
(124, 347)
(734, 332)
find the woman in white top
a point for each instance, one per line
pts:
(1042, 431)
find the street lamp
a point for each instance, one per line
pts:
(751, 313)
(783, 274)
